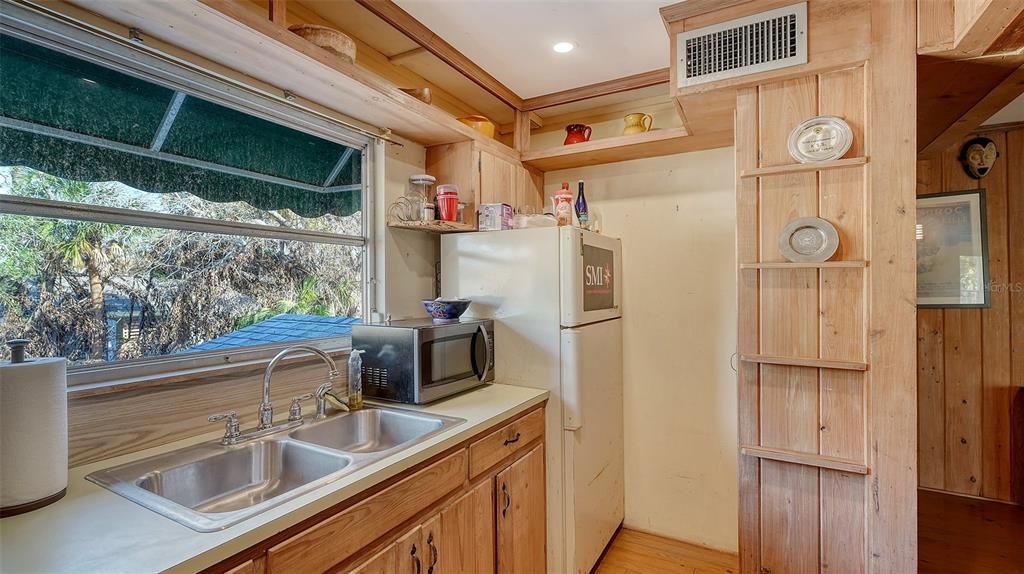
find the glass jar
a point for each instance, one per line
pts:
(419, 193)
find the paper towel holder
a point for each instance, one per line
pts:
(17, 348)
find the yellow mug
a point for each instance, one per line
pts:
(637, 123)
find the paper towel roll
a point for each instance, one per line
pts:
(33, 433)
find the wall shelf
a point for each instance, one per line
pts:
(234, 36)
(805, 265)
(803, 167)
(654, 143)
(434, 226)
(805, 458)
(804, 362)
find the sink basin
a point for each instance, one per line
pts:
(209, 486)
(242, 477)
(370, 430)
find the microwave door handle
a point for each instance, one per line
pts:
(489, 357)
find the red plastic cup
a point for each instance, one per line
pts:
(447, 202)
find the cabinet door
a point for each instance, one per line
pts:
(529, 191)
(381, 563)
(404, 556)
(467, 528)
(497, 179)
(521, 515)
(431, 540)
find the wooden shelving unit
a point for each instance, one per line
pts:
(805, 362)
(807, 265)
(805, 458)
(244, 40)
(621, 148)
(803, 167)
(433, 226)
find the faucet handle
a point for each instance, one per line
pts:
(231, 429)
(295, 410)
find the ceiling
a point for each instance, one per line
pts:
(513, 39)
(1013, 112)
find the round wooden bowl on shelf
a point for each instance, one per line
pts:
(327, 38)
(480, 124)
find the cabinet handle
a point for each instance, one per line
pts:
(415, 559)
(513, 440)
(508, 498)
(433, 553)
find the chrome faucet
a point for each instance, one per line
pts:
(232, 433)
(266, 412)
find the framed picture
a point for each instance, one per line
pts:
(952, 250)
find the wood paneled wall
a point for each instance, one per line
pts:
(827, 389)
(971, 361)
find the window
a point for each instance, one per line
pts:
(148, 227)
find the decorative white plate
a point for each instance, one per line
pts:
(809, 239)
(820, 138)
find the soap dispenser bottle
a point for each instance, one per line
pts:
(355, 380)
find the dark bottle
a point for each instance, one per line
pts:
(582, 212)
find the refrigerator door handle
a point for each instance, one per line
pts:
(572, 412)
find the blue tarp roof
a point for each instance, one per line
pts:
(282, 328)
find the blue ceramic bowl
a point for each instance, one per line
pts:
(446, 310)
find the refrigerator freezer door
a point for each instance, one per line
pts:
(592, 441)
(590, 282)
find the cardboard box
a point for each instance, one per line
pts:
(495, 217)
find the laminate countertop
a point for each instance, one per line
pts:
(93, 530)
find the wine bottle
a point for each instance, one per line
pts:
(582, 212)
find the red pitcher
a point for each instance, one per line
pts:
(576, 133)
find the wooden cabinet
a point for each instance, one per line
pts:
(486, 177)
(405, 555)
(467, 530)
(521, 515)
(497, 179)
(449, 520)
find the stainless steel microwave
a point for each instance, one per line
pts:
(419, 361)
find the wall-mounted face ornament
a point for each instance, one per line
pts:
(977, 156)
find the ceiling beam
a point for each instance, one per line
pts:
(996, 99)
(636, 81)
(414, 29)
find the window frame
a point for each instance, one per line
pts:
(77, 39)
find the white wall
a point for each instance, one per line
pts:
(676, 217)
(405, 259)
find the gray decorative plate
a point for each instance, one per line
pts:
(808, 239)
(820, 138)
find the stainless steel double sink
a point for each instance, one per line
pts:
(210, 486)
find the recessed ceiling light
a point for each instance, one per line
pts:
(563, 47)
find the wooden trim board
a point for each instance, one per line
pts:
(804, 167)
(804, 362)
(414, 29)
(805, 458)
(625, 84)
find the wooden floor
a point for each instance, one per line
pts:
(959, 535)
(633, 552)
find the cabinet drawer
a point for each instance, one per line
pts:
(346, 533)
(495, 447)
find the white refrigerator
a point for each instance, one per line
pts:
(555, 297)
